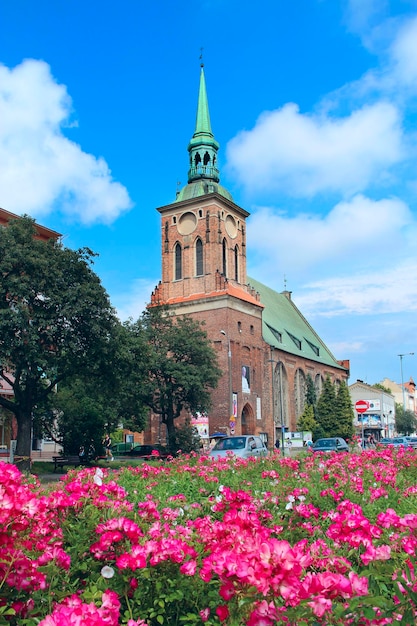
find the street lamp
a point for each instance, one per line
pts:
(229, 357)
(402, 379)
(280, 401)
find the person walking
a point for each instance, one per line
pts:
(107, 447)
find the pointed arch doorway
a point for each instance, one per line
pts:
(248, 420)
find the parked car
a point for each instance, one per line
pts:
(385, 441)
(330, 444)
(121, 448)
(396, 442)
(412, 441)
(244, 446)
(147, 452)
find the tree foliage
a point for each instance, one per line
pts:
(179, 370)
(405, 421)
(344, 412)
(55, 320)
(382, 388)
(311, 394)
(306, 421)
(326, 408)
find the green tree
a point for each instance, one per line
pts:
(55, 320)
(306, 421)
(311, 394)
(382, 388)
(180, 368)
(88, 407)
(344, 412)
(187, 438)
(326, 408)
(405, 421)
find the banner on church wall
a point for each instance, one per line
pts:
(201, 423)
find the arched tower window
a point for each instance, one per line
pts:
(206, 159)
(178, 261)
(199, 267)
(224, 258)
(236, 253)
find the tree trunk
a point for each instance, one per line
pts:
(24, 441)
(169, 422)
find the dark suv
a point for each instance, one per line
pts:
(330, 444)
(147, 452)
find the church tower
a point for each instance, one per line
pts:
(265, 347)
(203, 244)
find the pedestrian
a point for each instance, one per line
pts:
(107, 447)
(81, 454)
(277, 444)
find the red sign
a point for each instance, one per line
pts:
(361, 406)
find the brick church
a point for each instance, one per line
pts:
(265, 347)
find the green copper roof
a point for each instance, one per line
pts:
(201, 188)
(203, 175)
(203, 134)
(285, 328)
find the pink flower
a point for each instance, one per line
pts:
(320, 606)
(189, 568)
(205, 614)
(222, 612)
(227, 591)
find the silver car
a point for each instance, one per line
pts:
(244, 446)
(330, 444)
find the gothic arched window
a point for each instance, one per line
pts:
(199, 267)
(178, 262)
(236, 251)
(224, 258)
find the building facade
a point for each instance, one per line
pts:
(404, 394)
(379, 419)
(265, 347)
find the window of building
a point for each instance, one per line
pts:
(315, 348)
(174, 219)
(252, 329)
(199, 257)
(178, 262)
(295, 339)
(239, 326)
(224, 258)
(276, 333)
(236, 264)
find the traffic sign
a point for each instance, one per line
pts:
(361, 406)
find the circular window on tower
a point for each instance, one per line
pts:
(187, 223)
(231, 227)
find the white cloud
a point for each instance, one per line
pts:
(404, 54)
(390, 290)
(358, 232)
(40, 169)
(303, 155)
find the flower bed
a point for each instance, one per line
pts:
(323, 539)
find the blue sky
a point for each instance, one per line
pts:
(313, 103)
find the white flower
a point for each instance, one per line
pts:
(301, 498)
(97, 480)
(107, 571)
(288, 506)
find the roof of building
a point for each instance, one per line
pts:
(42, 232)
(203, 175)
(200, 188)
(285, 328)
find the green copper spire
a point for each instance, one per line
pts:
(203, 147)
(203, 175)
